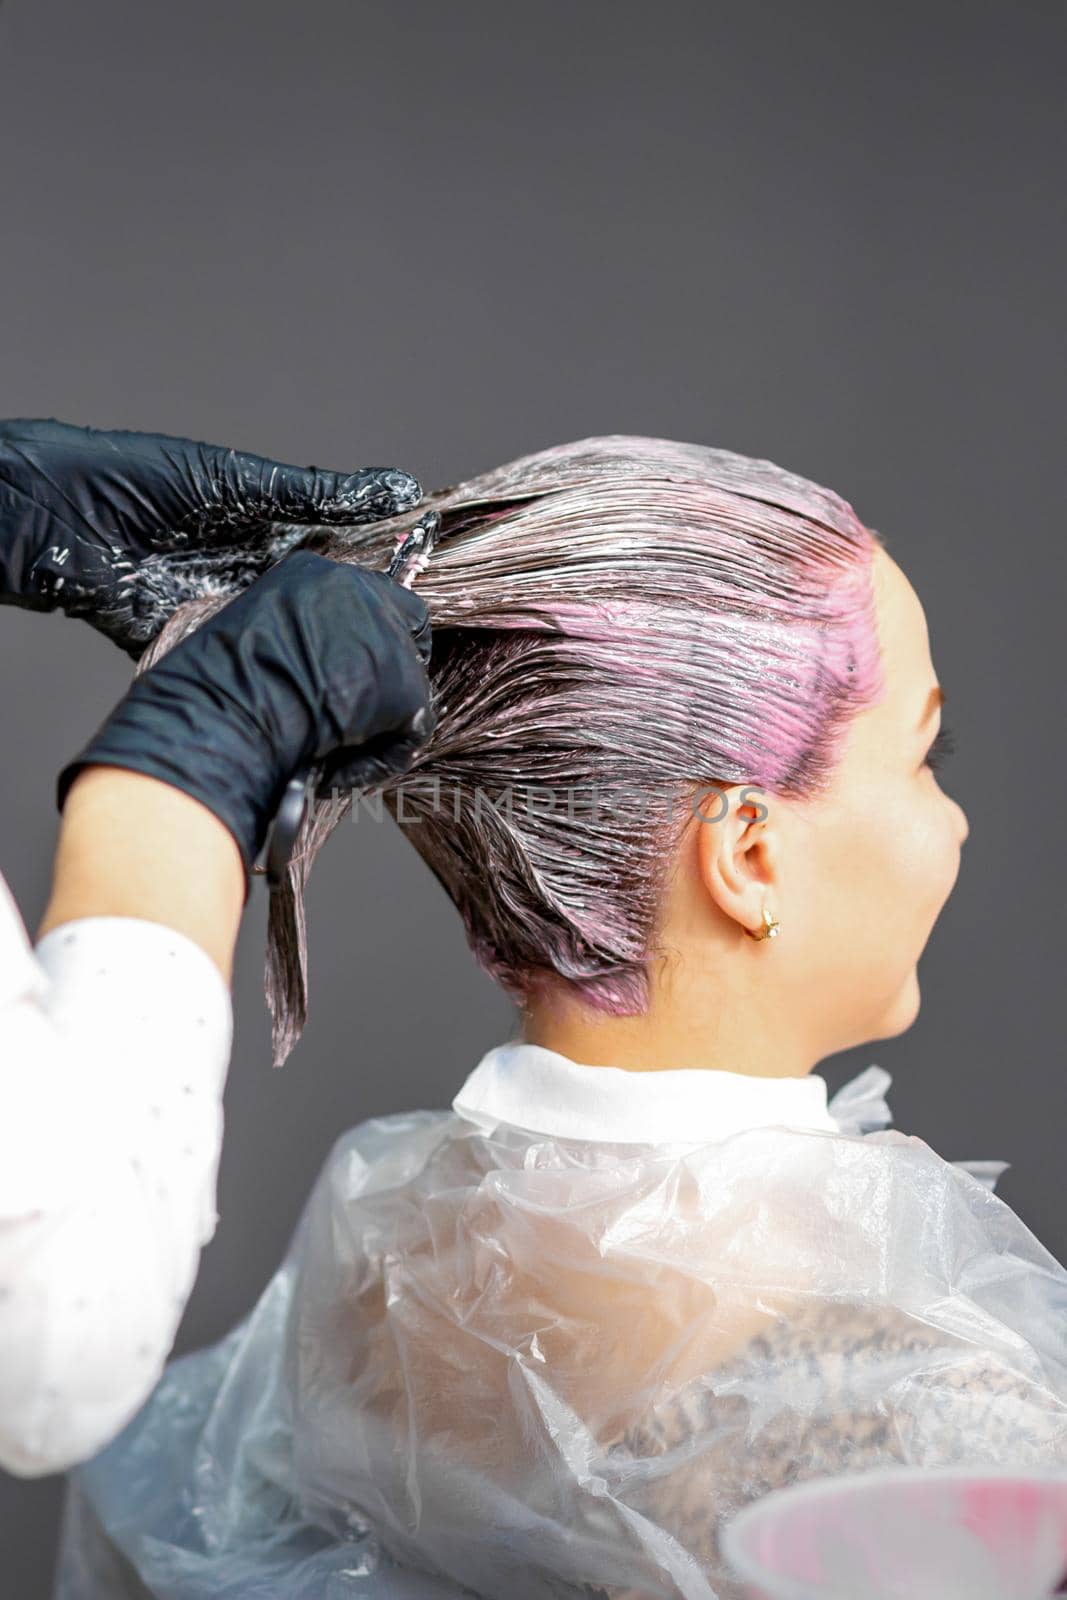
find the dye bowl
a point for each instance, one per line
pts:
(904, 1533)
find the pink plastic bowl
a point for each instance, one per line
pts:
(905, 1533)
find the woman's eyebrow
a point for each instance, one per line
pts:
(937, 698)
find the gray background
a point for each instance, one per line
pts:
(439, 236)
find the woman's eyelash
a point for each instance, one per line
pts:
(943, 746)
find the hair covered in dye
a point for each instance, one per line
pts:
(618, 623)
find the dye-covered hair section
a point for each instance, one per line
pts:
(619, 623)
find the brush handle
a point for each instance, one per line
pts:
(288, 821)
(414, 549)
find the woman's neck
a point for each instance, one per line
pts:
(736, 1033)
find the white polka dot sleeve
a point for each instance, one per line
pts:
(115, 1038)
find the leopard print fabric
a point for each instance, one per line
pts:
(847, 1389)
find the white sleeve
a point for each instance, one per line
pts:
(115, 1038)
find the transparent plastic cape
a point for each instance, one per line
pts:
(513, 1365)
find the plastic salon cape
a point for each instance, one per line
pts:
(516, 1363)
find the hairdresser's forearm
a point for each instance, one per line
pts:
(115, 1037)
(132, 846)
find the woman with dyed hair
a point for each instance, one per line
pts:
(682, 788)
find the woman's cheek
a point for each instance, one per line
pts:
(898, 867)
(857, 883)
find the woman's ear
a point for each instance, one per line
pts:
(737, 852)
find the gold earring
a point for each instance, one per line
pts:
(769, 929)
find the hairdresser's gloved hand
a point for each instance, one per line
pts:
(317, 661)
(122, 528)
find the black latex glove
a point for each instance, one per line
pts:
(315, 662)
(122, 528)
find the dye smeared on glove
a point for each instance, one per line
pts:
(122, 528)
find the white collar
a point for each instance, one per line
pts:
(544, 1092)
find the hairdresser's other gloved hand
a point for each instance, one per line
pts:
(317, 661)
(122, 528)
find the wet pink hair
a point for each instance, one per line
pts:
(619, 623)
